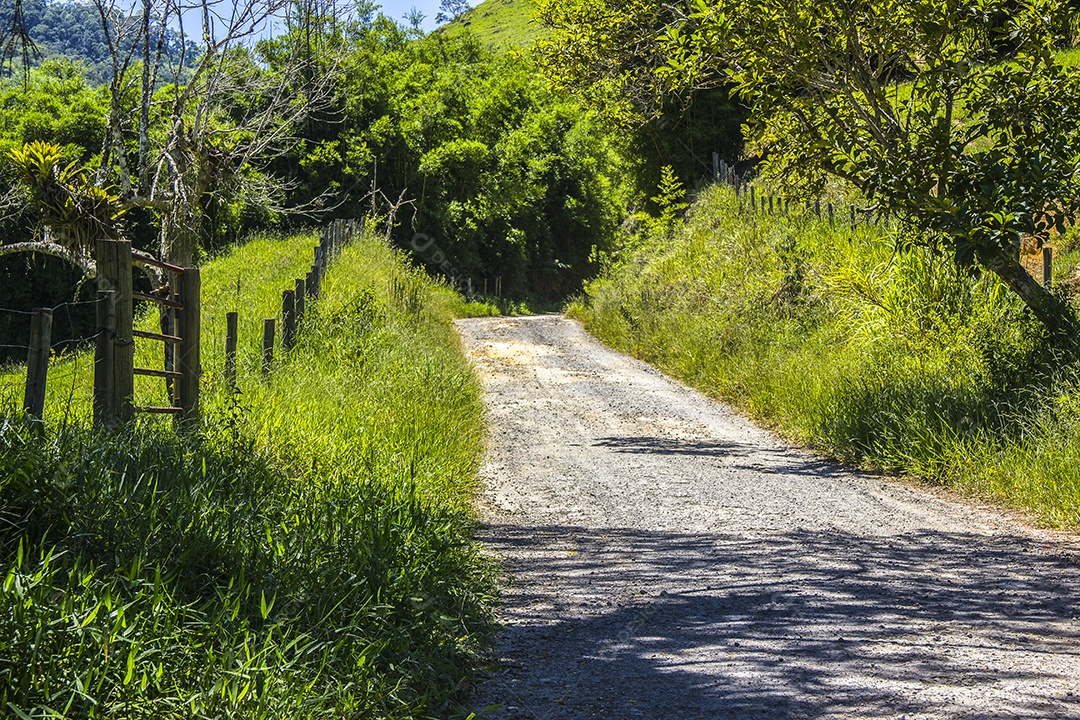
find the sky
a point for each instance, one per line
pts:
(397, 9)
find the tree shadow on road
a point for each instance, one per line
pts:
(630, 623)
(781, 460)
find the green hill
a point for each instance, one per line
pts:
(507, 23)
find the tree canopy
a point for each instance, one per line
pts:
(956, 116)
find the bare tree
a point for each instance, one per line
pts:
(210, 133)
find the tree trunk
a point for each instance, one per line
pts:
(1051, 311)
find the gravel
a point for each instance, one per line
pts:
(663, 557)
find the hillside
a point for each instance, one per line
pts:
(505, 23)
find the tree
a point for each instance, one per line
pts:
(609, 54)
(957, 116)
(414, 18)
(450, 10)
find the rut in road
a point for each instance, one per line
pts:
(665, 558)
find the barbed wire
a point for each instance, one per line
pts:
(30, 313)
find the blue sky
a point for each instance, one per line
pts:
(397, 9)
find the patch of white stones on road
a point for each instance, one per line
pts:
(664, 557)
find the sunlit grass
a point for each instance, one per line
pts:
(304, 553)
(889, 361)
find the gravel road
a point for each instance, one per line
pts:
(665, 558)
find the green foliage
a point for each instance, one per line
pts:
(610, 55)
(892, 361)
(57, 105)
(71, 31)
(670, 199)
(507, 179)
(305, 554)
(955, 116)
(76, 210)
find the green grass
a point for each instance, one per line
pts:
(305, 553)
(895, 362)
(502, 23)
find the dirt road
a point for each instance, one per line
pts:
(665, 558)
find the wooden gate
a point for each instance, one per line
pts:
(114, 357)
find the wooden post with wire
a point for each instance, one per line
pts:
(232, 323)
(114, 359)
(189, 361)
(268, 346)
(1048, 267)
(37, 364)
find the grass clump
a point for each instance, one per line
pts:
(305, 554)
(894, 361)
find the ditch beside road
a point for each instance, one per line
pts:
(664, 557)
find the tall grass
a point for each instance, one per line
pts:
(892, 361)
(304, 554)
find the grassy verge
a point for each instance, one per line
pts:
(890, 361)
(305, 554)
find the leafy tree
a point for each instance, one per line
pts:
(609, 53)
(451, 10)
(414, 18)
(956, 116)
(504, 176)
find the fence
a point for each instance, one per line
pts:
(755, 201)
(747, 194)
(179, 300)
(294, 300)
(115, 338)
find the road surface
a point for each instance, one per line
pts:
(663, 557)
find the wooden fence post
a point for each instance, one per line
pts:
(854, 220)
(288, 319)
(1048, 267)
(190, 350)
(817, 208)
(232, 322)
(301, 302)
(115, 355)
(832, 215)
(37, 363)
(317, 273)
(716, 166)
(103, 360)
(268, 346)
